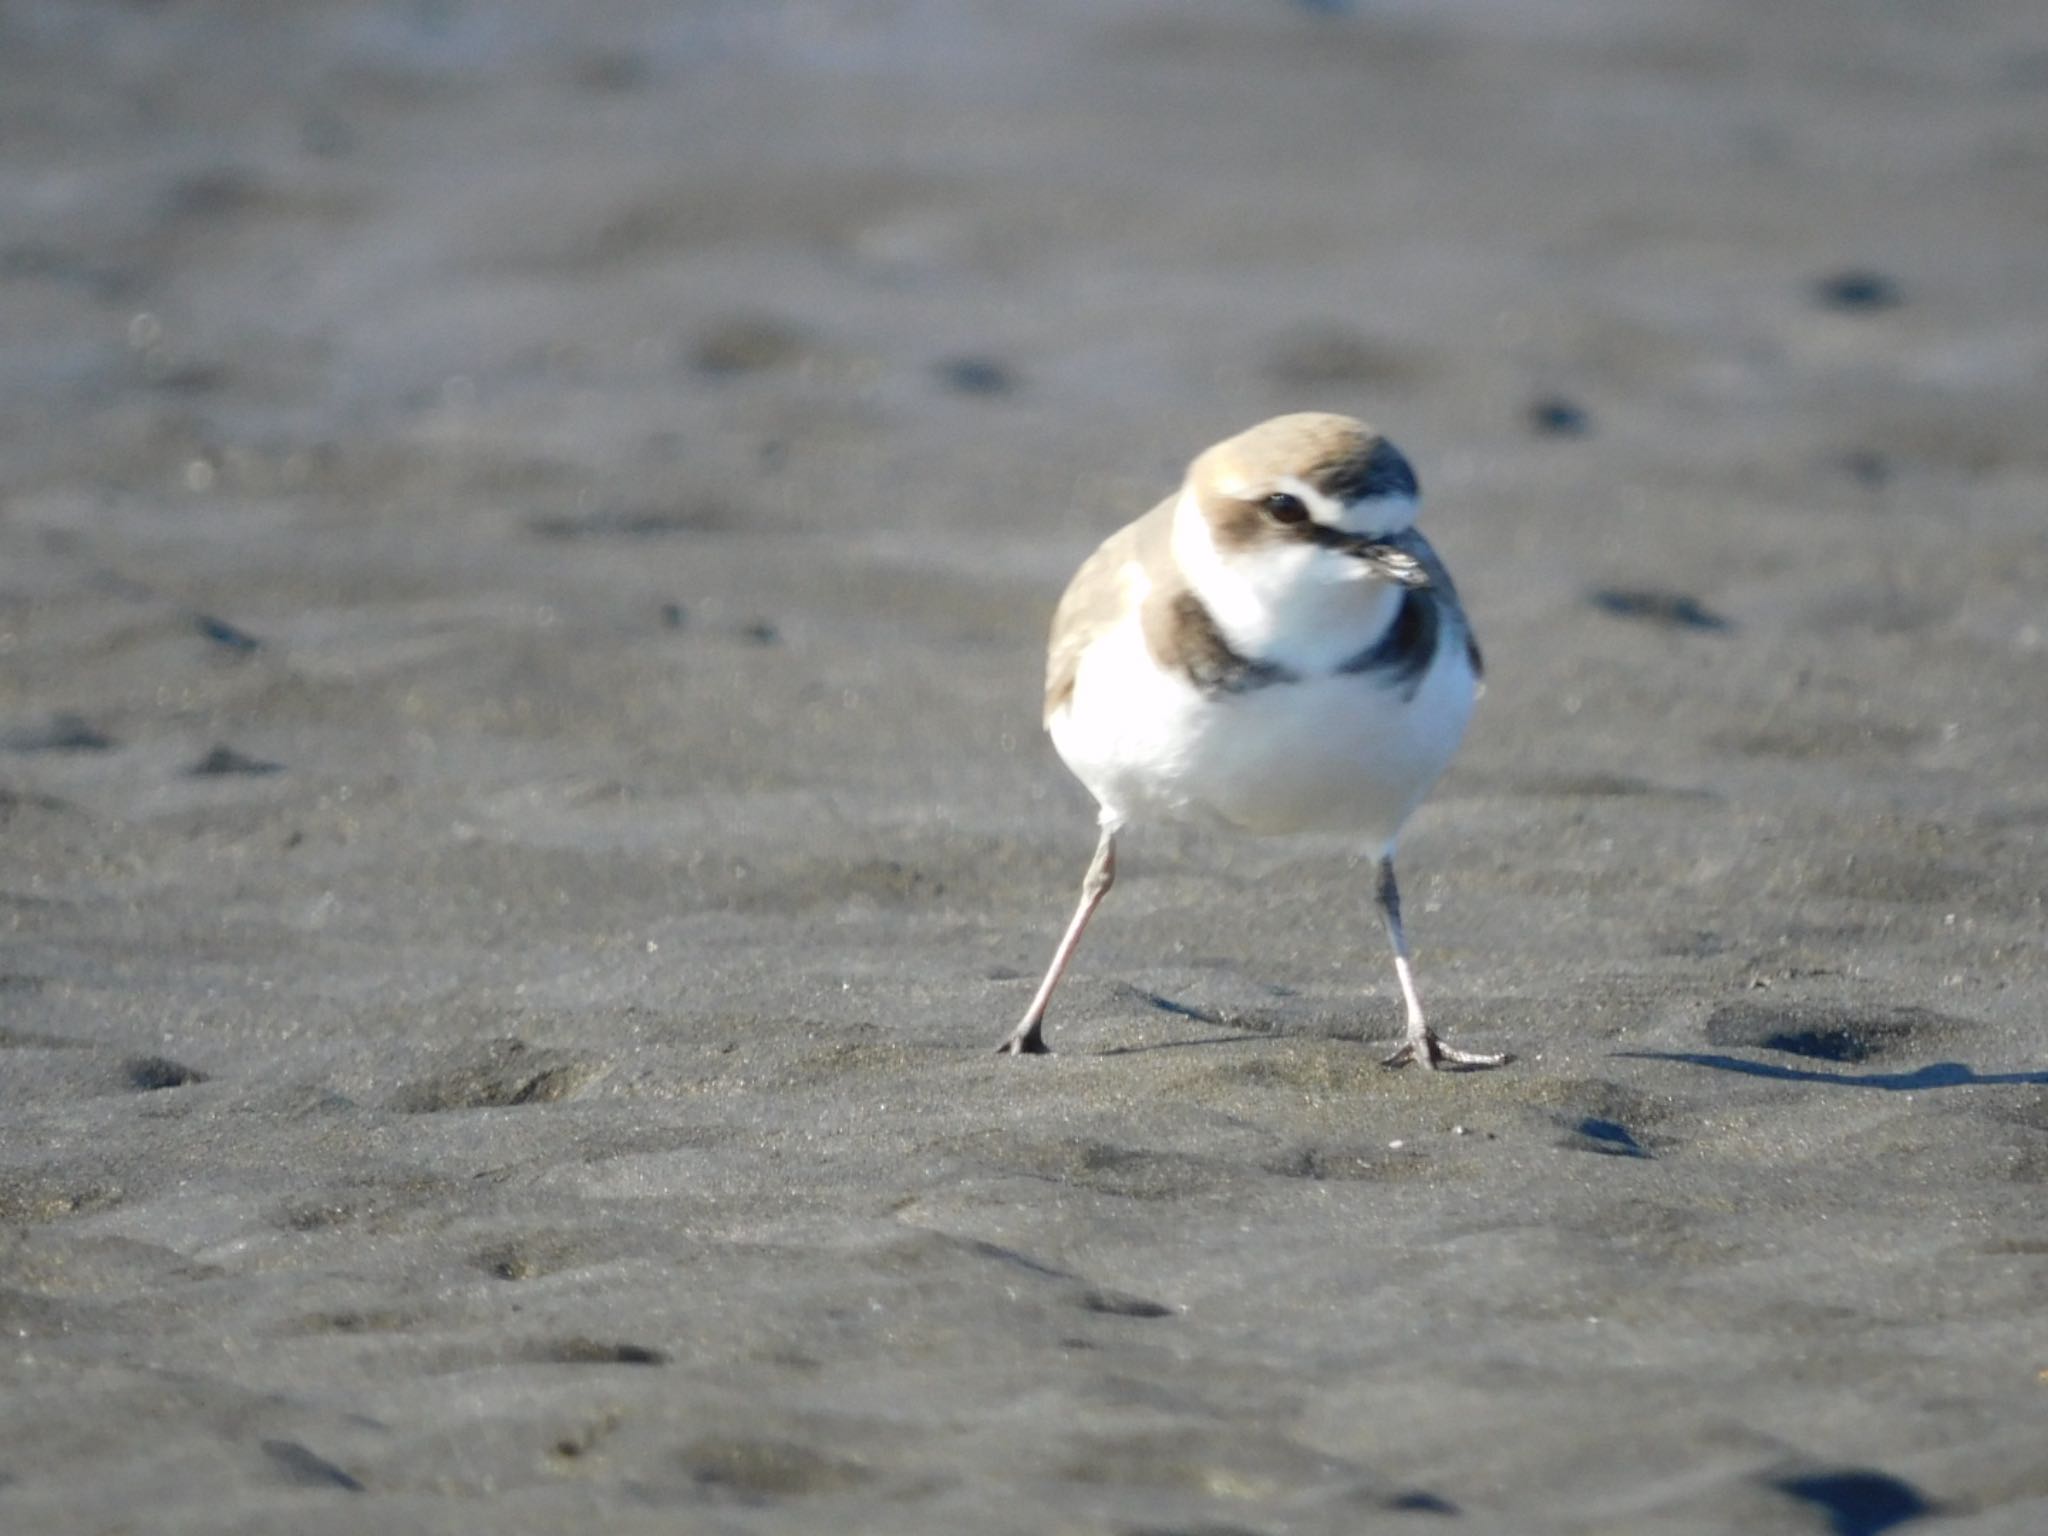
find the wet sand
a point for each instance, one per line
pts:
(525, 545)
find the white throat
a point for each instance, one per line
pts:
(1304, 607)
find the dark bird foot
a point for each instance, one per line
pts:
(1024, 1042)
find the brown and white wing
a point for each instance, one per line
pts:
(1100, 594)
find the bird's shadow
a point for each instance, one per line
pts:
(1939, 1074)
(1248, 1029)
(1178, 1045)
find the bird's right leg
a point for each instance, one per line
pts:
(1028, 1038)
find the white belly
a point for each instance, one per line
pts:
(1337, 753)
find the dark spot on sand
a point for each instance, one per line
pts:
(749, 344)
(631, 522)
(1142, 1175)
(760, 632)
(215, 193)
(13, 801)
(383, 1202)
(1419, 1501)
(1555, 416)
(307, 1468)
(600, 1352)
(1654, 605)
(1131, 1172)
(767, 1468)
(318, 1216)
(526, 1257)
(62, 732)
(976, 376)
(1826, 1031)
(29, 1201)
(583, 1439)
(1609, 1137)
(507, 1263)
(185, 376)
(229, 637)
(147, 1074)
(1331, 1165)
(1602, 1116)
(1867, 467)
(674, 616)
(224, 761)
(1857, 291)
(501, 1074)
(1858, 1501)
(1819, 1044)
(349, 1321)
(1327, 355)
(48, 263)
(1122, 1304)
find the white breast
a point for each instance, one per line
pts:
(1330, 753)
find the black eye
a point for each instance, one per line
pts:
(1283, 508)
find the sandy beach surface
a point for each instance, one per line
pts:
(526, 537)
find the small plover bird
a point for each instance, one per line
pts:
(1273, 648)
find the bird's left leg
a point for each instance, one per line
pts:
(1421, 1044)
(1028, 1038)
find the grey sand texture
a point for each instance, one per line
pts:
(527, 535)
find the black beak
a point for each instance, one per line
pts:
(1389, 561)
